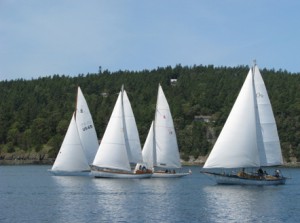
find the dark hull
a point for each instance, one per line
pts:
(237, 180)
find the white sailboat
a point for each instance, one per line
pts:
(249, 139)
(80, 143)
(160, 150)
(120, 145)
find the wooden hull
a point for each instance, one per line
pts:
(236, 180)
(119, 175)
(70, 173)
(168, 175)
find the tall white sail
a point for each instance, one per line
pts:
(167, 153)
(270, 146)
(112, 150)
(236, 145)
(71, 157)
(149, 154)
(86, 128)
(132, 135)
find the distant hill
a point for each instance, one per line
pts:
(34, 114)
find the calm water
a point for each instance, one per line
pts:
(31, 194)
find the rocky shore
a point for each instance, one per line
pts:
(22, 158)
(43, 159)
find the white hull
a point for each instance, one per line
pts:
(119, 175)
(235, 180)
(169, 175)
(70, 173)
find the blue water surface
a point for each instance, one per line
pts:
(31, 194)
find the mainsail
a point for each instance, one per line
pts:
(132, 135)
(86, 128)
(270, 150)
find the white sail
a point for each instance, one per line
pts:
(236, 145)
(112, 150)
(149, 149)
(167, 153)
(86, 128)
(132, 135)
(270, 146)
(71, 157)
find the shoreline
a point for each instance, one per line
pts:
(16, 162)
(4, 162)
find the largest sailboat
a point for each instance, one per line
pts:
(249, 139)
(80, 143)
(119, 154)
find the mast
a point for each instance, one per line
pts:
(128, 149)
(76, 99)
(154, 131)
(154, 145)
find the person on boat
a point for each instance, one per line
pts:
(240, 173)
(260, 172)
(277, 173)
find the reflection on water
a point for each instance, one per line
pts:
(243, 203)
(138, 200)
(123, 200)
(31, 194)
(74, 198)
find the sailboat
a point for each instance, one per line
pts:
(80, 143)
(248, 140)
(119, 154)
(160, 150)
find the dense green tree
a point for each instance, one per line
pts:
(36, 113)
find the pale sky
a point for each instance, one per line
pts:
(45, 37)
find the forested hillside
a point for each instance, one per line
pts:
(34, 114)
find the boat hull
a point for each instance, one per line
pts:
(70, 173)
(236, 180)
(168, 175)
(119, 175)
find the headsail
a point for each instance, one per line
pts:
(149, 153)
(236, 145)
(112, 150)
(71, 157)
